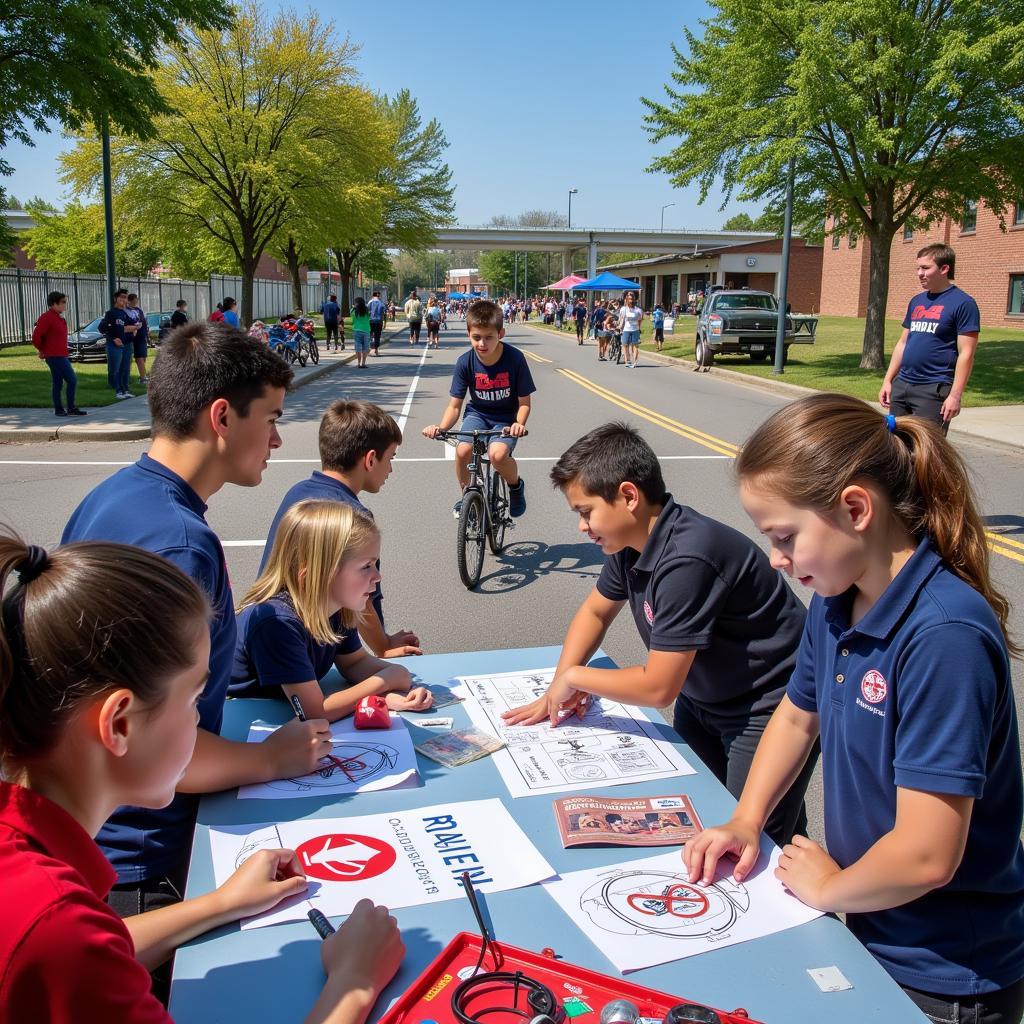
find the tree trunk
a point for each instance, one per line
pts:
(873, 353)
(292, 258)
(346, 261)
(248, 269)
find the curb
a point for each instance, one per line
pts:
(793, 391)
(141, 432)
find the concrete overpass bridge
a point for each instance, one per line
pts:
(568, 240)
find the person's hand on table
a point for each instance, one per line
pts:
(560, 702)
(297, 747)
(804, 869)
(401, 643)
(364, 954)
(419, 698)
(737, 838)
(266, 878)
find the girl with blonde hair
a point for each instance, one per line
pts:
(300, 619)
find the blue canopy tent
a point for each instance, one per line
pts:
(457, 295)
(606, 281)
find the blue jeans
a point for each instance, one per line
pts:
(60, 374)
(630, 337)
(1003, 1007)
(361, 341)
(474, 420)
(119, 366)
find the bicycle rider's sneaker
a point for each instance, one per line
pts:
(517, 499)
(457, 508)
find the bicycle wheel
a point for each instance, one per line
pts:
(314, 351)
(470, 541)
(301, 353)
(285, 352)
(498, 522)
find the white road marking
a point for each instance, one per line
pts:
(243, 543)
(404, 414)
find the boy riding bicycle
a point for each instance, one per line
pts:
(499, 383)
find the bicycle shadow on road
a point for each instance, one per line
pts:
(526, 562)
(1012, 526)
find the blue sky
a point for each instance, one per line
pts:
(515, 91)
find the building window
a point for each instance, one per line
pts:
(908, 234)
(1018, 214)
(835, 241)
(853, 240)
(970, 219)
(1016, 304)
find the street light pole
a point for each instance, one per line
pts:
(787, 231)
(663, 209)
(108, 212)
(572, 192)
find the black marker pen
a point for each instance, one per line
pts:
(297, 704)
(323, 927)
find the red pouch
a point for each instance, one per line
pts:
(372, 713)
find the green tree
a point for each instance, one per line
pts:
(255, 112)
(408, 191)
(891, 110)
(71, 240)
(739, 222)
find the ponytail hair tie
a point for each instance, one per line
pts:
(36, 560)
(890, 423)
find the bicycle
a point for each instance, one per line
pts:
(480, 520)
(615, 349)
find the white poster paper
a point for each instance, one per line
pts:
(360, 761)
(647, 912)
(611, 746)
(401, 859)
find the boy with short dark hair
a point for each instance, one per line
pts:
(118, 327)
(500, 384)
(180, 315)
(358, 441)
(710, 609)
(140, 341)
(215, 399)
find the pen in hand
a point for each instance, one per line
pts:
(297, 705)
(323, 927)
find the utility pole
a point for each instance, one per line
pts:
(787, 231)
(108, 213)
(572, 192)
(663, 209)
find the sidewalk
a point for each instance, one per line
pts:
(129, 420)
(1001, 425)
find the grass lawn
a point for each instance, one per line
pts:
(830, 364)
(25, 380)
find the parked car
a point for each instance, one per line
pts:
(744, 320)
(87, 343)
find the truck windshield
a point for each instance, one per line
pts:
(745, 302)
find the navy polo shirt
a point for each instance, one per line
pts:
(699, 585)
(150, 507)
(918, 695)
(321, 487)
(275, 649)
(935, 321)
(494, 391)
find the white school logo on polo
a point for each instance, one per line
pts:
(874, 687)
(648, 613)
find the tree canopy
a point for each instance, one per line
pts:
(893, 111)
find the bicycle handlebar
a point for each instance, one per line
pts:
(444, 435)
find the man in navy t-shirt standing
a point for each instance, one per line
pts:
(932, 361)
(500, 384)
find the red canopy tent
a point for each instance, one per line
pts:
(566, 284)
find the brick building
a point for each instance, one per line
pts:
(989, 266)
(753, 265)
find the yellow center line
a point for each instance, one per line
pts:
(1000, 538)
(716, 444)
(534, 356)
(697, 436)
(1016, 556)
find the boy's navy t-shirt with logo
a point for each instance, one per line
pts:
(494, 391)
(275, 649)
(113, 324)
(149, 506)
(917, 695)
(934, 321)
(699, 585)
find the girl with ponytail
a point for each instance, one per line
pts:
(98, 710)
(904, 671)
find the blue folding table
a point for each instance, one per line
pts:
(274, 973)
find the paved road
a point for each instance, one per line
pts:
(528, 594)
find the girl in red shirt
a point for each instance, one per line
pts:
(98, 709)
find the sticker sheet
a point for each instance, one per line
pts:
(612, 745)
(360, 761)
(647, 912)
(401, 859)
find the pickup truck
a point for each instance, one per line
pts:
(746, 321)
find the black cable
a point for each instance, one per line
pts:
(539, 997)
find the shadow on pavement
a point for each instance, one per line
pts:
(1012, 526)
(526, 562)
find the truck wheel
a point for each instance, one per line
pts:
(703, 354)
(758, 357)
